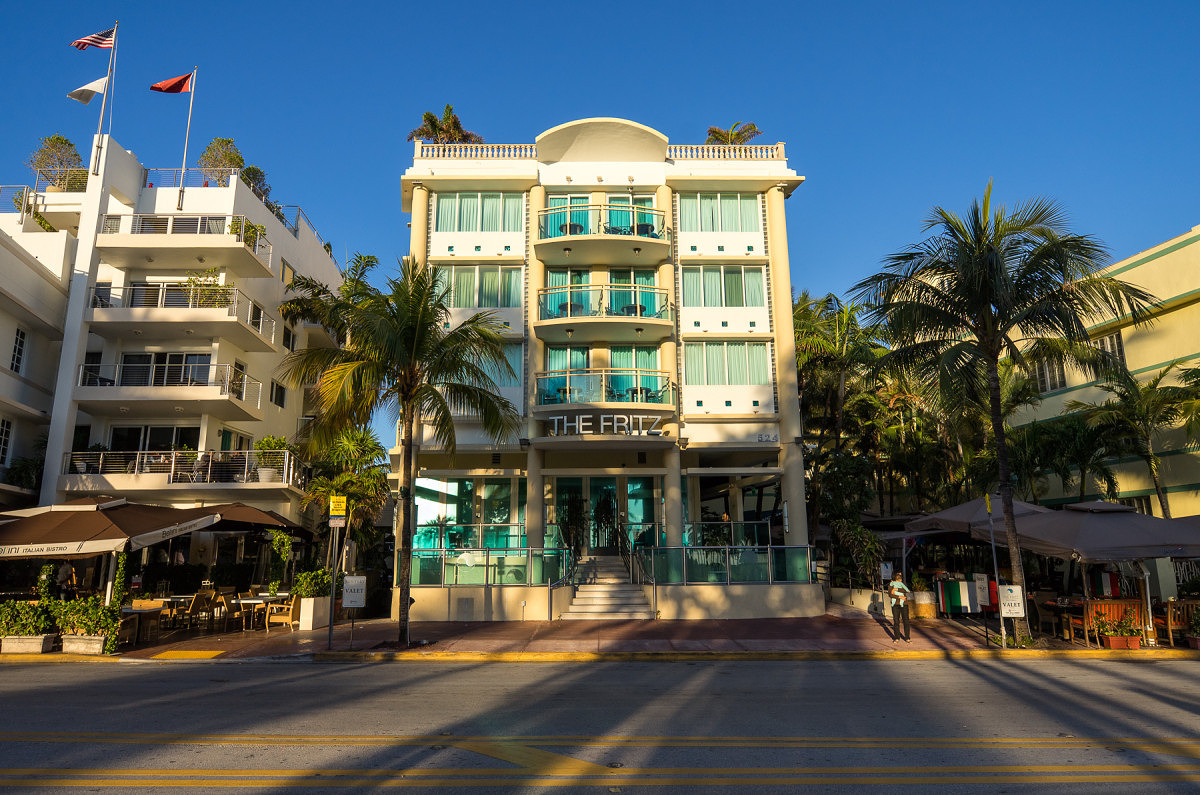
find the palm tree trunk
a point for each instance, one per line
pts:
(841, 401)
(404, 536)
(1152, 463)
(1006, 495)
(1082, 483)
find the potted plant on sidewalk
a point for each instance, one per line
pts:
(312, 589)
(1119, 634)
(924, 599)
(1193, 630)
(28, 627)
(86, 625)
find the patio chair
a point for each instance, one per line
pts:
(290, 615)
(226, 610)
(199, 609)
(166, 611)
(1042, 616)
(1176, 619)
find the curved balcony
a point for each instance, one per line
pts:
(601, 234)
(647, 388)
(604, 312)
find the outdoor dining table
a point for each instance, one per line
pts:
(261, 599)
(147, 622)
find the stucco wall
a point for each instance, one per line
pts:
(745, 600)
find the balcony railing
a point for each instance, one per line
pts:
(13, 198)
(61, 180)
(601, 219)
(189, 177)
(603, 300)
(725, 534)
(477, 151)
(182, 295)
(516, 566)
(605, 386)
(722, 152)
(191, 466)
(239, 226)
(721, 565)
(529, 151)
(448, 535)
(231, 381)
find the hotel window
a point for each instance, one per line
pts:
(5, 439)
(473, 211)
(1139, 504)
(289, 338)
(278, 394)
(1112, 345)
(287, 273)
(573, 357)
(719, 363)
(514, 353)
(718, 212)
(623, 300)
(1050, 375)
(729, 285)
(18, 353)
(620, 221)
(489, 286)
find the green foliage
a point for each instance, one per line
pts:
(919, 583)
(57, 159)
(271, 443)
(314, 584)
(863, 547)
(740, 132)
(446, 130)
(1190, 589)
(249, 232)
(26, 618)
(88, 616)
(1193, 627)
(206, 291)
(1121, 628)
(218, 157)
(847, 487)
(281, 544)
(24, 473)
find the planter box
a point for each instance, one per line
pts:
(314, 613)
(83, 644)
(1120, 642)
(924, 605)
(1193, 642)
(268, 475)
(27, 644)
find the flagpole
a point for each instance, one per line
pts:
(186, 135)
(104, 101)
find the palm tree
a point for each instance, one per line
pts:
(740, 133)
(398, 354)
(1088, 448)
(1139, 413)
(353, 465)
(989, 285)
(446, 130)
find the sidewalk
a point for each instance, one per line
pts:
(824, 637)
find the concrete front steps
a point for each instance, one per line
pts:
(605, 593)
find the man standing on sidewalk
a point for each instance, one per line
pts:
(899, 594)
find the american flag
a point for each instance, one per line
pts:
(103, 40)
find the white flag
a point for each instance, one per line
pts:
(84, 94)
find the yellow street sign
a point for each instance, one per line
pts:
(337, 505)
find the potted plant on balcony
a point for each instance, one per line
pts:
(28, 627)
(270, 451)
(1119, 634)
(86, 625)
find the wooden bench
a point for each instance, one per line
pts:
(1110, 610)
(1176, 619)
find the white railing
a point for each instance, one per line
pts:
(189, 177)
(182, 295)
(723, 152)
(232, 382)
(239, 226)
(191, 466)
(477, 151)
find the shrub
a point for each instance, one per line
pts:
(87, 617)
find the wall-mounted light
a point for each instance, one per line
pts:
(149, 259)
(124, 409)
(683, 442)
(637, 252)
(639, 330)
(570, 332)
(566, 251)
(137, 332)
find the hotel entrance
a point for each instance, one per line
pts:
(607, 507)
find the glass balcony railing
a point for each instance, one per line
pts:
(721, 565)
(192, 466)
(448, 535)
(603, 300)
(601, 219)
(518, 566)
(726, 534)
(605, 386)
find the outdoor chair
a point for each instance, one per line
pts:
(127, 630)
(290, 615)
(1042, 616)
(1176, 619)
(166, 612)
(226, 610)
(1110, 610)
(199, 609)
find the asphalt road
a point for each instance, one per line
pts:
(1054, 725)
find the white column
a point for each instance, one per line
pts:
(673, 499)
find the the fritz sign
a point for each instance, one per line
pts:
(584, 424)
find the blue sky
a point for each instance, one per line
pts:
(887, 108)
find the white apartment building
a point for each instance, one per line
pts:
(153, 348)
(646, 291)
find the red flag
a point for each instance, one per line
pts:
(176, 85)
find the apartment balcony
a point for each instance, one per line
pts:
(643, 389)
(179, 242)
(158, 390)
(602, 234)
(222, 475)
(604, 313)
(174, 310)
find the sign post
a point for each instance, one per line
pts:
(337, 520)
(354, 594)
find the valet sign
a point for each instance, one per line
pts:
(584, 424)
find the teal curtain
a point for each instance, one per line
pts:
(554, 298)
(714, 363)
(712, 286)
(749, 207)
(558, 358)
(693, 293)
(468, 212)
(733, 285)
(491, 212)
(693, 363)
(623, 379)
(735, 355)
(689, 212)
(554, 221)
(710, 213)
(489, 286)
(514, 209)
(513, 354)
(510, 287)
(621, 301)
(757, 362)
(755, 288)
(620, 222)
(579, 358)
(729, 212)
(646, 358)
(446, 217)
(464, 286)
(645, 221)
(579, 217)
(646, 298)
(582, 296)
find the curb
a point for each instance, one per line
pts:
(58, 658)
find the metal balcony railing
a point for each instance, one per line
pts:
(603, 300)
(515, 566)
(239, 226)
(193, 466)
(13, 198)
(184, 295)
(601, 219)
(61, 180)
(189, 177)
(605, 386)
(231, 381)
